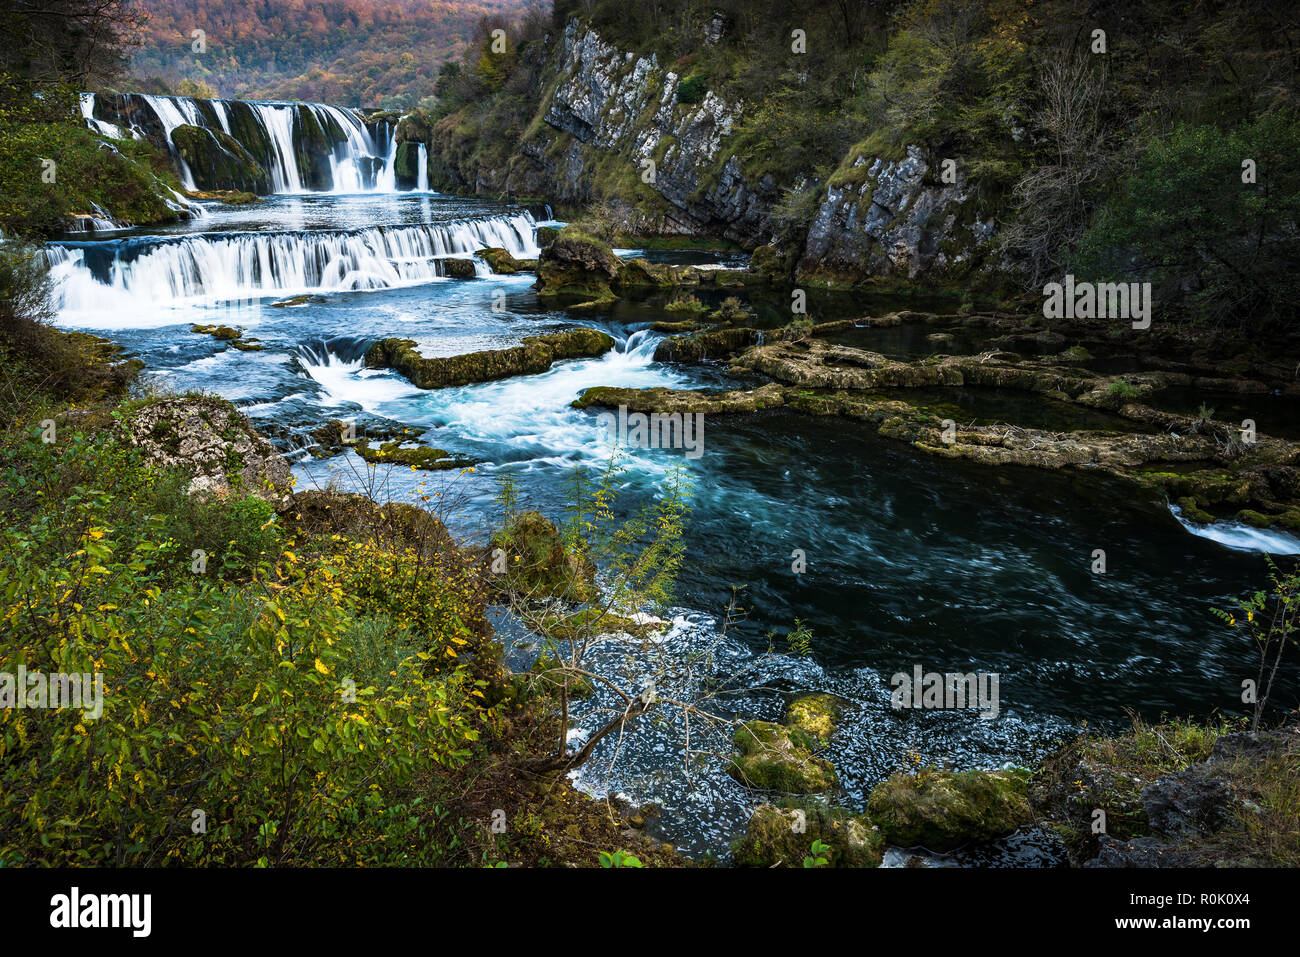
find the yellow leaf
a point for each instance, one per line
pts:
(321, 667)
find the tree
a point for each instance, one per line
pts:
(1223, 248)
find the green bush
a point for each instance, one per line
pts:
(269, 711)
(1219, 249)
(692, 89)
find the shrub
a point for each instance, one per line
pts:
(692, 89)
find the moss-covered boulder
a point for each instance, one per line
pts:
(534, 355)
(576, 264)
(815, 714)
(221, 333)
(412, 454)
(553, 674)
(782, 836)
(943, 810)
(777, 758)
(681, 401)
(716, 344)
(536, 563)
(456, 268)
(502, 262)
(218, 161)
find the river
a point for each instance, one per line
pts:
(910, 560)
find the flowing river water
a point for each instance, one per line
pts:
(911, 561)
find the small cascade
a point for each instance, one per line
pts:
(156, 272)
(422, 175)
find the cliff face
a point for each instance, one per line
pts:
(607, 114)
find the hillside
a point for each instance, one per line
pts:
(1001, 143)
(349, 52)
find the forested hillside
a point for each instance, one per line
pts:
(349, 52)
(933, 138)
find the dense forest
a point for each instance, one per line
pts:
(373, 53)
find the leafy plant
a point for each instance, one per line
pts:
(619, 859)
(817, 858)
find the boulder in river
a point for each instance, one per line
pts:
(783, 836)
(776, 758)
(943, 810)
(535, 354)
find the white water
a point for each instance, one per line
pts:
(422, 183)
(532, 415)
(1240, 537)
(359, 163)
(346, 382)
(151, 282)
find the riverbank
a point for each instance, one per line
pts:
(1242, 816)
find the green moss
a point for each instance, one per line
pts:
(415, 456)
(219, 161)
(777, 758)
(783, 835)
(942, 810)
(537, 563)
(815, 715)
(535, 355)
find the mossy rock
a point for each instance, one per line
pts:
(943, 810)
(458, 268)
(538, 565)
(815, 714)
(536, 354)
(717, 344)
(223, 333)
(1075, 354)
(782, 836)
(218, 161)
(553, 674)
(546, 235)
(502, 262)
(776, 758)
(592, 622)
(1255, 519)
(576, 264)
(1193, 512)
(769, 261)
(415, 455)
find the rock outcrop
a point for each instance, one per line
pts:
(942, 810)
(618, 125)
(211, 438)
(534, 355)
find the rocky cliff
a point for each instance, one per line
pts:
(618, 126)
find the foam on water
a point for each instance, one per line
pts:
(1241, 537)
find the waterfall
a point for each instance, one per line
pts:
(422, 182)
(359, 160)
(101, 279)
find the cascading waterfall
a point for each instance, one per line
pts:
(102, 280)
(361, 161)
(422, 176)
